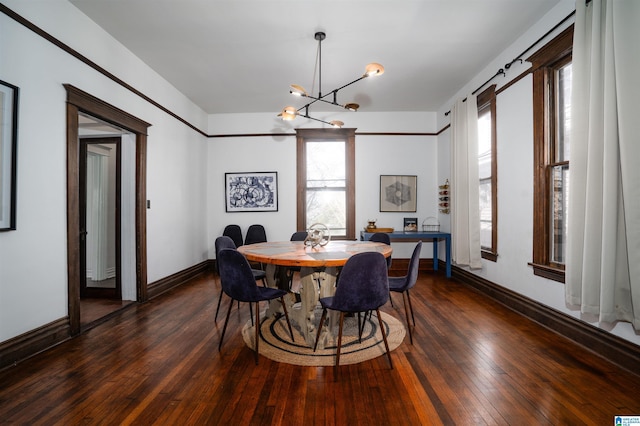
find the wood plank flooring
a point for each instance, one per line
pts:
(473, 362)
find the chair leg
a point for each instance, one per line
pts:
(339, 339)
(384, 337)
(251, 312)
(406, 312)
(411, 308)
(218, 308)
(286, 315)
(257, 327)
(225, 324)
(361, 325)
(324, 314)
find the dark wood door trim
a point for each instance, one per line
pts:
(80, 101)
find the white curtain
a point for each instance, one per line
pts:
(603, 252)
(464, 191)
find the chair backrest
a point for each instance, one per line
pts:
(235, 233)
(255, 234)
(381, 237)
(363, 284)
(412, 273)
(236, 277)
(299, 236)
(224, 242)
(221, 243)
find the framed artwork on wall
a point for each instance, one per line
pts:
(398, 193)
(251, 192)
(8, 154)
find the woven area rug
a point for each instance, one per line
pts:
(275, 341)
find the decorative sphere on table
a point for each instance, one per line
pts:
(318, 234)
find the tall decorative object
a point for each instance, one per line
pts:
(318, 234)
(443, 197)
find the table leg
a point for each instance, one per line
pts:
(314, 284)
(435, 254)
(327, 289)
(448, 255)
(274, 305)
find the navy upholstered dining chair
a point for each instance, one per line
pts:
(382, 237)
(224, 242)
(406, 283)
(255, 234)
(291, 270)
(362, 286)
(239, 284)
(235, 233)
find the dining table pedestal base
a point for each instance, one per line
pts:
(314, 284)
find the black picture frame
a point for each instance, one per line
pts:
(251, 192)
(410, 224)
(398, 193)
(8, 154)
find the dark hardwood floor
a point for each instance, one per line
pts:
(95, 310)
(473, 362)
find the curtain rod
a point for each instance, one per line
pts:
(519, 57)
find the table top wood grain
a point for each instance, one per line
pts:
(295, 253)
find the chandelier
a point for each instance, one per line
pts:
(289, 112)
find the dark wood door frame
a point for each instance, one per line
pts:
(80, 101)
(108, 293)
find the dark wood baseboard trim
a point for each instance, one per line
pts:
(33, 342)
(163, 285)
(613, 348)
(400, 266)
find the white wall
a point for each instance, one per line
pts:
(375, 155)
(33, 261)
(514, 119)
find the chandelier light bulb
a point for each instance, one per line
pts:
(297, 90)
(288, 113)
(352, 106)
(373, 69)
(337, 123)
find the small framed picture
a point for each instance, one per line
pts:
(410, 224)
(398, 193)
(251, 192)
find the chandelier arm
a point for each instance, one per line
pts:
(317, 119)
(321, 100)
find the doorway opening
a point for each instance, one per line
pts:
(106, 200)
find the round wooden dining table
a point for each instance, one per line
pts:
(319, 268)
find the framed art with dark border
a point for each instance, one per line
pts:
(398, 193)
(410, 224)
(251, 192)
(8, 154)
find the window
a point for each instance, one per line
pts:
(487, 172)
(326, 180)
(552, 123)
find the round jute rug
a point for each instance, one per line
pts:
(276, 344)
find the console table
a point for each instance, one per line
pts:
(405, 237)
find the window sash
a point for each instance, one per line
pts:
(339, 184)
(551, 149)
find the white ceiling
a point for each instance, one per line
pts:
(240, 56)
